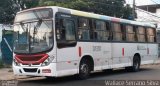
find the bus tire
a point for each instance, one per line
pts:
(108, 70)
(136, 64)
(84, 69)
(50, 78)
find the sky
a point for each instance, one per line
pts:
(143, 2)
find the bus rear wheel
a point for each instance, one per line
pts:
(84, 69)
(136, 65)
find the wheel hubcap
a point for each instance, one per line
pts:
(136, 65)
(84, 69)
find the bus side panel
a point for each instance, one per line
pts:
(67, 61)
(152, 54)
(102, 55)
(142, 48)
(122, 54)
(96, 51)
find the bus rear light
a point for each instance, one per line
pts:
(46, 70)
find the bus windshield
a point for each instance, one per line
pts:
(33, 36)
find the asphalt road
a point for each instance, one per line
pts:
(147, 72)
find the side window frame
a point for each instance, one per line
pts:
(130, 33)
(81, 31)
(149, 35)
(63, 42)
(114, 33)
(100, 33)
(138, 34)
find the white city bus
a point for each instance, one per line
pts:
(54, 42)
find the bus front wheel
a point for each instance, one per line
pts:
(84, 69)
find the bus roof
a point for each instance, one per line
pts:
(93, 15)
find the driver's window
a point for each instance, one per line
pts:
(70, 33)
(65, 30)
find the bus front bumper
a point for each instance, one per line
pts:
(49, 70)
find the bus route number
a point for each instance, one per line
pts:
(96, 48)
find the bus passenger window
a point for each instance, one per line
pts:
(101, 31)
(151, 35)
(141, 34)
(130, 34)
(117, 33)
(66, 30)
(83, 29)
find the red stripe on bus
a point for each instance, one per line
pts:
(115, 19)
(41, 60)
(69, 61)
(80, 51)
(122, 51)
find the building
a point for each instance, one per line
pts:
(151, 8)
(149, 13)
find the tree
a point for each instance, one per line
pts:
(7, 11)
(128, 12)
(26, 4)
(114, 8)
(9, 8)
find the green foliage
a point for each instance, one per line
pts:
(8, 8)
(31, 3)
(128, 11)
(114, 8)
(7, 11)
(25, 4)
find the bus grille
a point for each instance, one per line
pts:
(30, 70)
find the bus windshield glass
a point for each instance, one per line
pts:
(33, 35)
(34, 15)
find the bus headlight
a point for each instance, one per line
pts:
(16, 63)
(47, 61)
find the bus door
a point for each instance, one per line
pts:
(66, 42)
